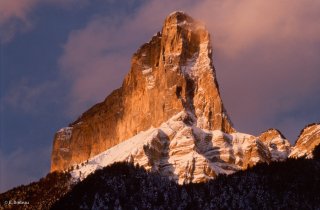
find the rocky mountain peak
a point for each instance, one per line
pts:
(271, 133)
(168, 117)
(171, 73)
(178, 17)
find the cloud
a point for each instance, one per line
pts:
(15, 15)
(266, 60)
(25, 96)
(241, 25)
(23, 166)
(15, 9)
(265, 53)
(94, 63)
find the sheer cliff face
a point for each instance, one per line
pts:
(172, 73)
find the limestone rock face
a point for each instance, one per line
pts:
(277, 144)
(171, 73)
(309, 138)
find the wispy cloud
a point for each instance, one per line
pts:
(266, 59)
(94, 63)
(15, 15)
(26, 97)
(242, 25)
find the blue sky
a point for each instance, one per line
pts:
(58, 58)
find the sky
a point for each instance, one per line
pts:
(60, 57)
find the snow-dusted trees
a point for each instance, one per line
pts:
(290, 184)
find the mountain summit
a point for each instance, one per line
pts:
(171, 73)
(168, 117)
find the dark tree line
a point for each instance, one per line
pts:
(39, 195)
(292, 184)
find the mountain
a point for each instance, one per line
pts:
(168, 117)
(277, 144)
(164, 140)
(171, 73)
(308, 139)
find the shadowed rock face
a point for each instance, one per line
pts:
(171, 73)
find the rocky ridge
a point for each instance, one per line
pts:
(182, 151)
(309, 138)
(185, 153)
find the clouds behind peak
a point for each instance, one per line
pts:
(242, 25)
(265, 54)
(266, 58)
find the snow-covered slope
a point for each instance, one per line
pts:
(182, 151)
(277, 144)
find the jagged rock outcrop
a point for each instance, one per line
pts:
(172, 73)
(308, 139)
(182, 151)
(277, 144)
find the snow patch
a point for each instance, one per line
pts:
(198, 63)
(190, 67)
(64, 149)
(151, 81)
(147, 71)
(64, 134)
